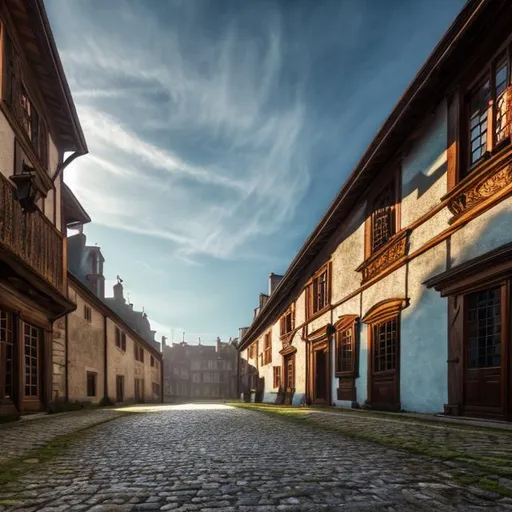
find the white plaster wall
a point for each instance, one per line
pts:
(300, 308)
(424, 169)
(349, 307)
(484, 233)
(424, 338)
(392, 286)
(362, 380)
(429, 229)
(348, 256)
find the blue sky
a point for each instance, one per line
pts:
(220, 130)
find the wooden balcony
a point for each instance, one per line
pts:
(31, 237)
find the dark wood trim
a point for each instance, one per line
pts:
(385, 309)
(347, 322)
(492, 266)
(387, 314)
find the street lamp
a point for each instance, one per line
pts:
(27, 191)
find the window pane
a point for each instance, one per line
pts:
(383, 227)
(384, 346)
(483, 327)
(478, 106)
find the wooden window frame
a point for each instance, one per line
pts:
(87, 313)
(287, 322)
(492, 269)
(486, 73)
(12, 98)
(314, 310)
(389, 179)
(267, 348)
(344, 324)
(8, 343)
(120, 339)
(276, 377)
(94, 376)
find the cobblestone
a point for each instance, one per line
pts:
(18, 439)
(467, 440)
(231, 459)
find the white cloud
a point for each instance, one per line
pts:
(250, 168)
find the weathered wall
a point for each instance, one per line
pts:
(85, 350)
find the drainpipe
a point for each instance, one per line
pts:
(105, 360)
(66, 359)
(162, 379)
(66, 162)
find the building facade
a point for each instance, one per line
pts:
(400, 298)
(38, 126)
(100, 358)
(200, 371)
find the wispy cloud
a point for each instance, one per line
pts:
(194, 149)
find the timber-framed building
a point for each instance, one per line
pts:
(38, 126)
(401, 296)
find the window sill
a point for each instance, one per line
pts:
(319, 313)
(389, 254)
(488, 182)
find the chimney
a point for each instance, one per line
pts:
(118, 292)
(241, 332)
(263, 300)
(131, 306)
(164, 339)
(273, 281)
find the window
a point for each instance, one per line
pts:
(196, 377)
(488, 116)
(31, 337)
(267, 348)
(252, 351)
(139, 390)
(383, 225)
(87, 313)
(483, 327)
(139, 353)
(385, 343)
(120, 339)
(277, 376)
(6, 354)
(346, 350)
(319, 291)
(152, 361)
(287, 321)
(119, 388)
(91, 384)
(18, 99)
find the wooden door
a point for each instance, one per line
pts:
(484, 350)
(9, 376)
(119, 388)
(321, 379)
(289, 372)
(384, 386)
(33, 358)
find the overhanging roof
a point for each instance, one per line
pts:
(73, 211)
(426, 90)
(31, 22)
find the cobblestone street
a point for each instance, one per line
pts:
(217, 457)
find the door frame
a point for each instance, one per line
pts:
(384, 311)
(319, 340)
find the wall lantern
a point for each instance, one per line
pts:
(27, 191)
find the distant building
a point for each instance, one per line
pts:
(102, 353)
(200, 371)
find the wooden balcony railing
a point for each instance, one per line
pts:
(31, 237)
